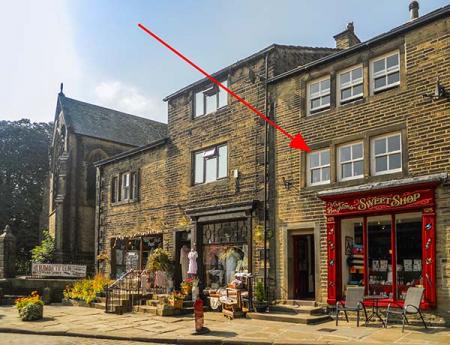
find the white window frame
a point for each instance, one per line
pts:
(125, 177)
(209, 153)
(352, 161)
(217, 91)
(373, 156)
(385, 72)
(320, 94)
(350, 85)
(320, 167)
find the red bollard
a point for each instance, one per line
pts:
(199, 317)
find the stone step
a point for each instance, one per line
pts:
(295, 309)
(101, 299)
(99, 305)
(297, 302)
(305, 319)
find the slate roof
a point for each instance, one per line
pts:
(108, 124)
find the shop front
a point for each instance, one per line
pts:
(383, 239)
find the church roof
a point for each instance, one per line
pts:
(108, 124)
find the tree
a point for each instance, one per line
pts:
(44, 253)
(23, 173)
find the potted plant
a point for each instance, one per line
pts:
(186, 286)
(260, 303)
(176, 300)
(30, 308)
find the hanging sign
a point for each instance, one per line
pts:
(380, 202)
(58, 270)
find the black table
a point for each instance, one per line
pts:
(375, 307)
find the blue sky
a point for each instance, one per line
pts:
(96, 49)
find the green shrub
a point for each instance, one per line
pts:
(45, 252)
(31, 312)
(260, 295)
(159, 260)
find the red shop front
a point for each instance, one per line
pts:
(383, 240)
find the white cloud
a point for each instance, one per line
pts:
(127, 98)
(38, 52)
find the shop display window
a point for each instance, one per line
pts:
(352, 253)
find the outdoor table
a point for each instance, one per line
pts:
(375, 307)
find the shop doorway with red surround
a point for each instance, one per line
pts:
(384, 240)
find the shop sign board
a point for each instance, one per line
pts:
(58, 270)
(380, 202)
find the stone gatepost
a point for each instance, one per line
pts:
(7, 254)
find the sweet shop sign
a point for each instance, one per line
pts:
(380, 202)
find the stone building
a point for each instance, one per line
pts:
(370, 204)
(83, 134)
(205, 185)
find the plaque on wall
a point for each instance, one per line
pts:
(132, 260)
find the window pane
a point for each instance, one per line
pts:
(357, 73)
(223, 95)
(315, 103)
(199, 167)
(345, 78)
(199, 104)
(325, 174)
(408, 230)
(358, 168)
(357, 151)
(325, 84)
(314, 88)
(211, 169)
(346, 170)
(395, 161)
(380, 146)
(325, 157)
(393, 78)
(380, 82)
(211, 103)
(381, 164)
(357, 90)
(378, 66)
(345, 154)
(315, 175)
(392, 61)
(346, 93)
(326, 100)
(394, 143)
(314, 160)
(352, 254)
(223, 153)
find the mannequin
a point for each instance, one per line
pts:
(184, 261)
(192, 256)
(232, 257)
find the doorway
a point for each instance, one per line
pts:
(303, 266)
(182, 246)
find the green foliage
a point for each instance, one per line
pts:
(31, 312)
(23, 176)
(24, 301)
(259, 292)
(45, 252)
(87, 289)
(159, 260)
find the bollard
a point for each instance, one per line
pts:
(199, 317)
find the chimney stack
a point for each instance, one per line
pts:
(346, 38)
(413, 10)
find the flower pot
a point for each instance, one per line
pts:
(31, 312)
(176, 303)
(260, 307)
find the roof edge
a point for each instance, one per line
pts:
(131, 152)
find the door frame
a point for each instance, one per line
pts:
(306, 228)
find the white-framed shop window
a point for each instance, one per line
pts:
(386, 154)
(318, 95)
(350, 84)
(318, 167)
(385, 71)
(350, 161)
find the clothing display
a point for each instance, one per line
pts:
(232, 257)
(192, 256)
(184, 261)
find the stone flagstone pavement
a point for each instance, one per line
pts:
(94, 323)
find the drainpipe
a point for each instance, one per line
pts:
(98, 208)
(266, 132)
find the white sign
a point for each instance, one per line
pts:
(58, 270)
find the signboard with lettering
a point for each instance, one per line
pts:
(380, 202)
(58, 270)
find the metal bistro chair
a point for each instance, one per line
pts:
(353, 302)
(410, 306)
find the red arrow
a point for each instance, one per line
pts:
(297, 141)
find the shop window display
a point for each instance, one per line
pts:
(352, 253)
